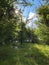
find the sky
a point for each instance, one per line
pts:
(30, 11)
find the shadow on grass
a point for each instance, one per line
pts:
(7, 55)
(25, 55)
(37, 56)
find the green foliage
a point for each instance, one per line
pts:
(21, 32)
(43, 12)
(10, 31)
(7, 22)
(43, 23)
(31, 35)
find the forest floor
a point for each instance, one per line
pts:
(26, 54)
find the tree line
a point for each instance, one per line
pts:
(13, 29)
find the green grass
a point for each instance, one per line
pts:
(26, 54)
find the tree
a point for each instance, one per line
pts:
(43, 23)
(31, 36)
(22, 33)
(7, 22)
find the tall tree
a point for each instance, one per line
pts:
(7, 22)
(43, 24)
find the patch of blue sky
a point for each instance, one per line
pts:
(35, 5)
(31, 9)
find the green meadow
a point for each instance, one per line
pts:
(26, 54)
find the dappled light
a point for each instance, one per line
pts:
(24, 32)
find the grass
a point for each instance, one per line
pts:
(26, 54)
